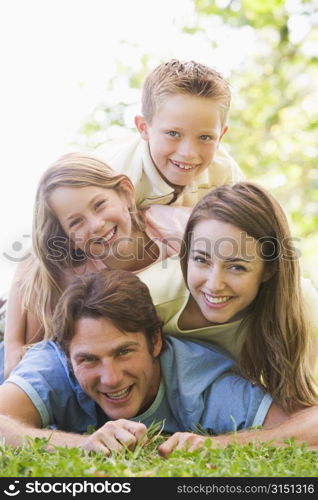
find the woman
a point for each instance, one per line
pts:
(243, 291)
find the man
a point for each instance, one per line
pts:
(109, 367)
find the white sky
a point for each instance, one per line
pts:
(56, 57)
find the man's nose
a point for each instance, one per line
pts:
(110, 374)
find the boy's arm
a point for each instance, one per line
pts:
(19, 418)
(278, 427)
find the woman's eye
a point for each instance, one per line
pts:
(199, 259)
(172, 133)
(238, 268)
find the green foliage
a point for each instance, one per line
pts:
(273, 119)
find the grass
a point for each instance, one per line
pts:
(33, 460)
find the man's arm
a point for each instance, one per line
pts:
(278, 426)
(19, 418)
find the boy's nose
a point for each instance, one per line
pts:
(187, 149)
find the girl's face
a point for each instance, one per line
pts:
(95, 219)
(225, 270)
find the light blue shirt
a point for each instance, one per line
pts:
(198, 387)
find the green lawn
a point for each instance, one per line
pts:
(234, 461)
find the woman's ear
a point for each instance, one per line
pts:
(142, 127)
(269, 271)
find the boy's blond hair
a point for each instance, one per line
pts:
(175, 77)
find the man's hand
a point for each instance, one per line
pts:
(181, 441)
(115, 435)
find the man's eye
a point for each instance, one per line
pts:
(124, 352)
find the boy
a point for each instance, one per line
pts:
(177, 157)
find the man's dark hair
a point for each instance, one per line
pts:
(116, 295)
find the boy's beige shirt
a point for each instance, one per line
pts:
(130, 155)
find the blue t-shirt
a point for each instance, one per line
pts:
(198, 387)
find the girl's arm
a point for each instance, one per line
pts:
(21, 326)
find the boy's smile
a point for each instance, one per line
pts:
(183, 136)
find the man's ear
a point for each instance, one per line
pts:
(157, 343)
(142, 127)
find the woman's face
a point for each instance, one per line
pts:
(96, 220)
(225, 270)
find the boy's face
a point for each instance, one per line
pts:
(183, 136)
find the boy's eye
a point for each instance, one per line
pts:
(172, 133)
(206, 138)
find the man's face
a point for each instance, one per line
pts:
(115, 368)
(183, 136)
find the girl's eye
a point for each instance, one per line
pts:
(206, 138)
(172, 133)
(99, 203)
(74, 222)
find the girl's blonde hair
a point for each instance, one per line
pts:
(275, 353)
(53, 250)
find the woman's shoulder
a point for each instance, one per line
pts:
(310, 296)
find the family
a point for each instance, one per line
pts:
(161, 286)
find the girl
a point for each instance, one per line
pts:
(85, 219)
(244, 291)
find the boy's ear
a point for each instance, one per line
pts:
(142, 127)
(225, 129)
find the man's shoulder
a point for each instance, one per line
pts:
(196, 356)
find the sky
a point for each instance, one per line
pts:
(56, 58)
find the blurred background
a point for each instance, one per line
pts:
(71, 73)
